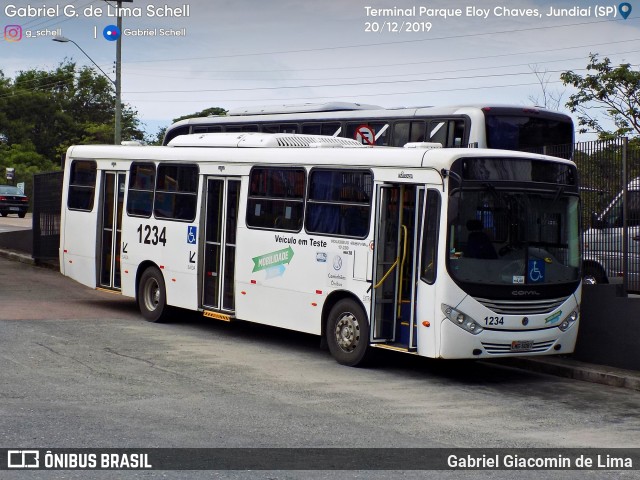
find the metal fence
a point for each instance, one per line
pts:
(610, 192)
(47, 200)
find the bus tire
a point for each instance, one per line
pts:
(152, 296)
(347, 333)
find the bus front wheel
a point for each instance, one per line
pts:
(152, 296)
(348, 333)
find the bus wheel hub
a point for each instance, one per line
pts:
(347, 332)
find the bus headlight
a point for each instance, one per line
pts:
(568, 321)
(462, 320)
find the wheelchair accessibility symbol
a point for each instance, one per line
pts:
(192, 234)
(536, 271)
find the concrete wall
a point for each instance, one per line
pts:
(609, 328)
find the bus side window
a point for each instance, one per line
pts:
(400, 134)
(176, 192)
(428, 269)
(276, 198)
(280, 128)
(438, 132)
(82, 185)
(450, 133)
(206, 129)
(331, 129)
(405, 132)
(339, 202)
(312, 129)
(456, 133)
(380, 132)
(288, 128)
(141, 187)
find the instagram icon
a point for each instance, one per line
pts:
(13, 33)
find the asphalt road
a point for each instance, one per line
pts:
(80, 368)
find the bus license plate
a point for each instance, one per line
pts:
(521, 345)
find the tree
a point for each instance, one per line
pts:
(204, 113)
(614, 89)
(52, 110)
(550, 99)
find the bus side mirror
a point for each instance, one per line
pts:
(596, 221)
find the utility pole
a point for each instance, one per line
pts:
(118, 83)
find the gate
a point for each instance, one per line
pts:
(47, 201)
(610, 192)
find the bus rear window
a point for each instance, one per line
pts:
(530, 134)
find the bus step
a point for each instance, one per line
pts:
(109, 290)
(217, 315)
(395, 348)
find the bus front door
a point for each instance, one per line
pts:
(110, 229)
(398, 213)
(220, 223)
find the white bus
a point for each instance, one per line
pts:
(504, 127)
(444, 253)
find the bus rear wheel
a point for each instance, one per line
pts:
(152, 295)
(347, 333)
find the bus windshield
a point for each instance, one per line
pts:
(513, 237)
(529, 133)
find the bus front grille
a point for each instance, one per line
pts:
(507, 348)
(522, 307)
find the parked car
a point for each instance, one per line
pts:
(603, 253)
(12, 200)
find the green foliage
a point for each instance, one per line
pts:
(616, 90)
(213, 111)
(26, 162)
(42, 113)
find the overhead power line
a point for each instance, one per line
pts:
(378, 44)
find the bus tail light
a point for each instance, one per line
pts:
(568, 321)
(462, 320)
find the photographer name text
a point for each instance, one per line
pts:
(92, 11)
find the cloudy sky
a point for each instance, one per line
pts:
(237, 53)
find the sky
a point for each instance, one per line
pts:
(180, 57)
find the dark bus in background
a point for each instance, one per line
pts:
(528, 129)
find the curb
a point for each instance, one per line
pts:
(576, 370)
(27, 259)
(17, 256)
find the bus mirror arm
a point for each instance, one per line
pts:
(448, 173)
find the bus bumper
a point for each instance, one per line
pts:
(458, 343)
